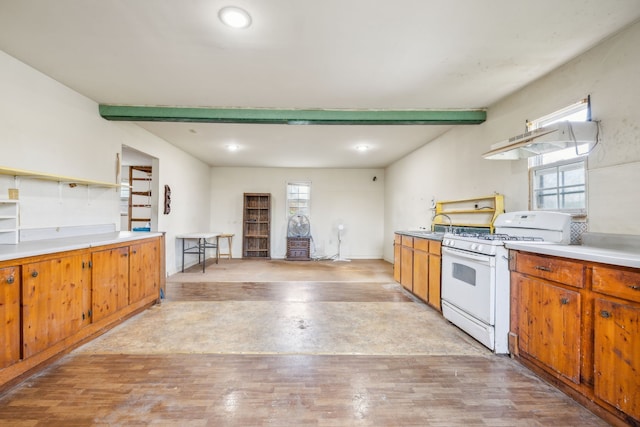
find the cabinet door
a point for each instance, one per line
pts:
(421, 274)
(9, 316)
(435, 267)
(406, 269)
(52, 302)
(549, 325)
(144, 274)
(617, 355)
(110, 281)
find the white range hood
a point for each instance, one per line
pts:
(546, 139)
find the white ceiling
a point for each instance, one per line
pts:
(329, 54)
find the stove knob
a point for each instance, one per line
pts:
(480, 248)
(474, 246)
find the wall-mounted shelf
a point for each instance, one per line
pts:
(477, 212)
(9, 220)
(56, 178)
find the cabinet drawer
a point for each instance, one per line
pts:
(298, 244)
(617, 282)
(298, 253)
(435, 247)
(567, 272)
(421, 244)
(407, 241)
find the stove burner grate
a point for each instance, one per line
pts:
(505, 237)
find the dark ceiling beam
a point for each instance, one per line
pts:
(292, 117)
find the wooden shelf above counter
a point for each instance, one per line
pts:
(476, 212)
(56, 178)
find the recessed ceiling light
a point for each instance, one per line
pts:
(362, 147)
(233, 147)
(234, 17)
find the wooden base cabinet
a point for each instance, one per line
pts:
(51, 303)
(417, 267)
(549, 325)
(577, 324)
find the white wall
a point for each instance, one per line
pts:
(451, 167)
(47, 127)
(347, 196)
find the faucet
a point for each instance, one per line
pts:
(446, 216)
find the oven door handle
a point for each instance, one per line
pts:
(480, 258)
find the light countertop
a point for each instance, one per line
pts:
(423, 234)
(627, 257)
(43, 247)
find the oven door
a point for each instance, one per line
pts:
(468, 283)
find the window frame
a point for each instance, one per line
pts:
(288, 200)
(537, 163)
(576, 212)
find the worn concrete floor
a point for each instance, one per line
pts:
(294, 318)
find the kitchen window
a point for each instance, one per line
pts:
(557, 180)
(298, 198)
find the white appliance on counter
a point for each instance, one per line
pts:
(475, 272)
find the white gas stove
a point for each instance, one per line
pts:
(475, 272)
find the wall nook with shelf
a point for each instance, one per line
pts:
(9, 221)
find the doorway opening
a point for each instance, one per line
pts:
(139, 194)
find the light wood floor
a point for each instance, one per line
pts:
(468, 386)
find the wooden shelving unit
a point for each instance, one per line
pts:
(139, 196)
(256, 226)
(477, 212)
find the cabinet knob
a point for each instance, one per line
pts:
(34, 274)
(543, 268)
(10, 280)
(605, 314)
(634, 287)
(564, 301)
